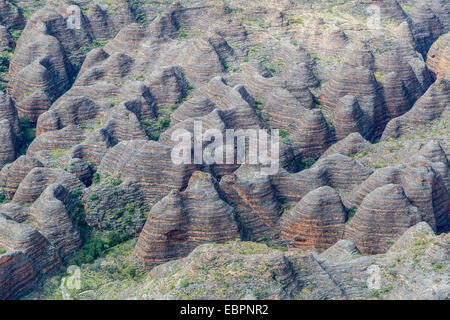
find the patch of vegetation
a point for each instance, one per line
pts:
(182, 34)
(96, 178)
(407, 8)
(2, 250)
(93, 45)
(76, 194)
(379, 76)
(29, 133)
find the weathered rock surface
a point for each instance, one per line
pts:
(438, 57)
(382, 216)
(149, 163)
(327, 75)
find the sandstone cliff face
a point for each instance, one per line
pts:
(182, 221)
(16, 275)
(106, 98)
(433, 104)
(148, 162)
(438, 57)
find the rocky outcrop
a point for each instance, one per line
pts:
(9, 112)
(433, 152)
(316, 222)
(16, 275)
(426, 26)
(183, 220)
(382, 216)
(132, 72)
(255, 197)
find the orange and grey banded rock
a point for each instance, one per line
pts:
(316, 222)
(438, 60)
(168, 85)
(40, 72)
(22, 237)
(183, 220)
(427, 191)
(12, 174)
(359, 82)
(348, 118)
(11, 16)
(433, 152)
(353, 144)
(38, 179)
(433, 104)
(9, 112)
(8, 146)
(17, 275)
(426, 26)
(149, 163)
(381, 177)
(343, 173)
(382, 216)
(424, 187)
(50, 214)
(255, 198)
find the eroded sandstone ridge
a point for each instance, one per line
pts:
(89, 105)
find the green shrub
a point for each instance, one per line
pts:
(94, 197)
(2, 250)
